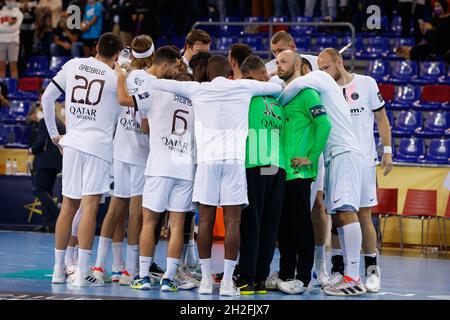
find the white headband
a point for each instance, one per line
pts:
(142, 55)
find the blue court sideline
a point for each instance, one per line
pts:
(26, 262)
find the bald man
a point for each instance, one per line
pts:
(366, 106)
(305, 135)
(281, 41)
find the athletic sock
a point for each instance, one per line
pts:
(228, 269)
(117, 254)
(352, 240)
(370, 260)
(75, 255)
(205, 264)
(59, 258)
(183, 253)
(144, 266)
(191, 257)
(68, 258)
(102, 251)
(83, 261)
(171, 268)
(319, 257)
(132, 262)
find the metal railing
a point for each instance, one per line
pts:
(270, 34)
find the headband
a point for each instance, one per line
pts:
(142, 55)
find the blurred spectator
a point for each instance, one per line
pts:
(10, 21)
(66, 42)
(47, 16)
(152, 23)
(4, 102)
(411, 10)
(55, 7)
(262, 8)
(92, 26)
(328, 8)
(27, 32)
(292, 8)
(126, 12)
(435, 45)
(47, 164)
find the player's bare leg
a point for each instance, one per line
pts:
(207, 219)
(320, 225)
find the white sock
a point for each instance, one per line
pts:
(373, 255)
(191, 257)
(68, 258)
(337, 252)
(183, 253)
(205, 264)
(352, 245)
(340, 231)
(171, 268)
(228, 270)
(144, 266)
(83, 261)
(75, 255)
(102, 251)
(132, 263)
(319, 257)
(117, 254)
(59, 258)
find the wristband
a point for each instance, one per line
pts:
(387, 149)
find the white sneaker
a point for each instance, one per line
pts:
(373, 283)
(71, 272)
(319, 278)
(185, 279)
(87, 280)
(291, 286)
(116, 272)
(101, 274)
(59, 275)
(229, 289)
(126, 278)
(206, 286)
(272, 281)
(335, 278)
(195, 271)
(346, 287)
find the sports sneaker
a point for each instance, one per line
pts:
(168, 285)
(291, 286)
(272, 281)
(335, 278)
(185, 279)
(141, 283)
(245, 287)
(319, 278)
(71, 272)
(155, 273)
(206, 286)
(346, 287)
(228, 288)
(59, 275)
(373, 283)
(260, 287)
(101, 274)
(116, 272)
(195, 271)
(87, 280)
(219, 276)
(125, 278)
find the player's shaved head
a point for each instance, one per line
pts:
(289, 65)
(333, 53)
(330, 61)
(218, 66)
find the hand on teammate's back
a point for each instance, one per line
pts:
(298, 162)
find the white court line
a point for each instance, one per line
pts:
(440, 297)
(397, 294)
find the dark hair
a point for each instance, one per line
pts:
(183, 76)
(218, 66)
(197, 35)
(166, 54)
(252, 63)
(198, 64)
(141, 44)
(109, 45)
(240, 51)
(306, 62)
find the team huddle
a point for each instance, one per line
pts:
(276, 145)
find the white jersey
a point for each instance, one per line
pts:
(221, 113)
(271, 66)
(92, 107)
(364, 98)
(172, 145)
(342, 137)
(130, 144)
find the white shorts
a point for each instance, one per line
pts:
(129, 180)
(369, 187)
(317, 185)
(221, 183)
(164, 193)
(84, 174)
(343, 183)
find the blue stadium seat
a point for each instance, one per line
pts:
(22, 133)
(390, 117)
(438, 151)
(224, 43)
(404, 97)
(378, 69)
(396, 26)
(45, 83)
(212, 30)
(255, 42)
(410, 150)
(11, 83)
(178, 42)
(18, 111)
(56, 63)
(303, 43)
(445, 79)
(430, 72)
(325, 42)
(8, 135)
(359, 46)
(406, 123)
(161, 41)
(227, 30)
(301, 30)
(379, 146)
(397, 43)
(435, 125)
(403, 72)
(376, 47)
(37, 66)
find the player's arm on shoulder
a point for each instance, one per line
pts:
(183, 88)
(260, 88)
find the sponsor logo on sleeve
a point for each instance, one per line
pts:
(143, 96)
(317, 111)
(380, 97)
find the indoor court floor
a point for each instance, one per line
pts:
(26, 262)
